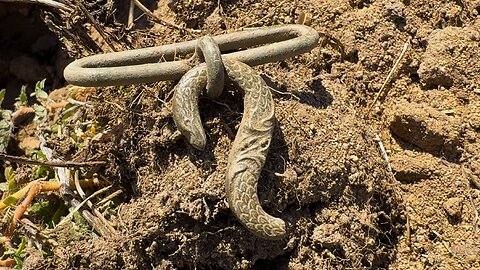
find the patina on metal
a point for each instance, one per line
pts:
(148, 65)
(251, 144)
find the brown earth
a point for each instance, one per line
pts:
(350, 205)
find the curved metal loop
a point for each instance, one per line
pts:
(145, 65)
(212, 56)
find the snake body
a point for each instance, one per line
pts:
(249, 151)
(213, 59)
(250, 146)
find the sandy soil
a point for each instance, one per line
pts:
(349, 205)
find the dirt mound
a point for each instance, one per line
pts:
(324, 175)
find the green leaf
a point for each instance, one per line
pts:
(40, 172)
(22, 98)
(10, 177)
(21, 247)
(40, 113)
(10, 200)
(2, 95)
(39, 206)
(3, 186)
(79, 219)
(5, 115)
(39, 90)
(38, 155)
(124, 90)
(5, 130)
(20, 253)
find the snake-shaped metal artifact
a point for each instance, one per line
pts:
(247, 157)
(251, 143)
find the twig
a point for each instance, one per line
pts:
(78, 206)
(61, 164)
(389, 76)
(161, 21)
(49, 3)
(20, 209)
(444, 242)
(408, 233)
(131, 11)
(108, 198)
(285, 93)
(90, 204)
(475, 214)
(95, 24)
(384, 153)
(36, 233)
(78, 187)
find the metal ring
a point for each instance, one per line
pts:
(142, 65)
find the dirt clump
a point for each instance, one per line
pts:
(410, 166)
(448, 58)
(427, 128)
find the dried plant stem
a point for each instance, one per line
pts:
(389, 76)
(63, 164)
(46, 186)
(95, 24)
(49, 3)
(131, 11)
(7, 262)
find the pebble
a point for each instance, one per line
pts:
(453, 207)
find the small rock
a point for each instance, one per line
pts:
(435, 75)
(453, 207)
(22, 115)
(427, 128)
(394, 10)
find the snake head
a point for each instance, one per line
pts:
(194, 132)
(198, 140)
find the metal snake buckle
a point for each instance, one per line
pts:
(148, 64)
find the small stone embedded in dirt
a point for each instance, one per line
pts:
(34, 260)
(427, 128)
(409, 167)
(453, 207)
(27, 69)
(22, 115)
(394, 10)
(448, 58)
